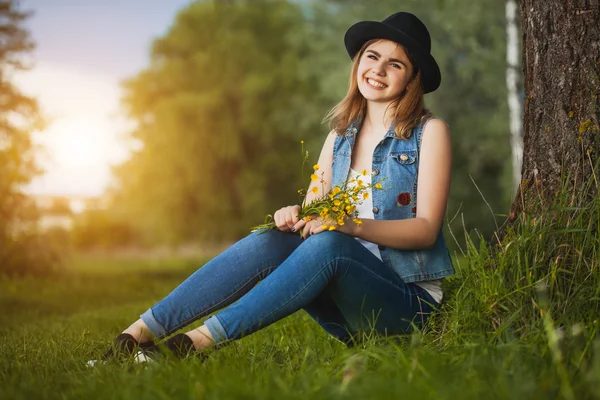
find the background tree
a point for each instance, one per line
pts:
(513, 85)
(21, 249)
(220, 114)
(561, 60)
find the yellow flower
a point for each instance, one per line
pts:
(364, 172)
(315, 190)
(354, 197)
(360, 183)
(314, 177)
(325, 210)
(332, 228)
(336, 190)
(378, 186)
(365, 195)
(316, 167)
(337, 202)
(325, 227)
(571, 114)
(308, 218)
(334, 209)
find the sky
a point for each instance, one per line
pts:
(85, 48)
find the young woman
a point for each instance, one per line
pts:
(384, 274)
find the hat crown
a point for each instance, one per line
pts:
(405, 29)
(411, 26)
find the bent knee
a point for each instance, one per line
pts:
(329, 238)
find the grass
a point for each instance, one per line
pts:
(518, 321)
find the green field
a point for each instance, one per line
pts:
(50, 327)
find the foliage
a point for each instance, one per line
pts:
(214, 113)
(232, 88)
(22, 250)
(540, 287)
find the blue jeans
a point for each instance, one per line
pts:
(330, 275)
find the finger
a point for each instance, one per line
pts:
(299, 224)
(314, 229)
(276, 218)
(280, 223)
(318, 230)
(306, 230)
(288, 221)
(295, 218)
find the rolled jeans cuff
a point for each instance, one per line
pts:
(153, 325)
(216, 329)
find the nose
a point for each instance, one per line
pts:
(379, 68)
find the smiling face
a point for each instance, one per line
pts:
(383, 72)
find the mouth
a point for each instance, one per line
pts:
(375, 84)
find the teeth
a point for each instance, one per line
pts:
(375, 83)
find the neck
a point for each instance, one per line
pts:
(376, 120)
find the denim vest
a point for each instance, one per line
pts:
(398, 161)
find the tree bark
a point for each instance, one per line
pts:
(561, 62)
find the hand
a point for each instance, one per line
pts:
(316, 223)
(286, 219)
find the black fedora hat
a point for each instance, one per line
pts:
(403, 28)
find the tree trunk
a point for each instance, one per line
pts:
(515, 106)
(561, 61)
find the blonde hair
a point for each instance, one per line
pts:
(408, 109)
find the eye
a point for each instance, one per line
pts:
(371, 56)
(396, 65)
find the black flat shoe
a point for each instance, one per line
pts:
(180, 346)
(125, 347)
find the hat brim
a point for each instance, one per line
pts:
(363, 31)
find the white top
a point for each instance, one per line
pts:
(365, 210)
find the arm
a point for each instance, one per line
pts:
(432, 197)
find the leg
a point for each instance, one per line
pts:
(219, 282)
(327, 314)
(367, 293)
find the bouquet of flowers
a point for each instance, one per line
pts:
(337, 205)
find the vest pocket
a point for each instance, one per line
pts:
(405, 157)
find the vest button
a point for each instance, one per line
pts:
(403, 157)
(380, 247)
(375, 210)
(375, 172)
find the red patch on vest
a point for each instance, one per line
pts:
(404, 199)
